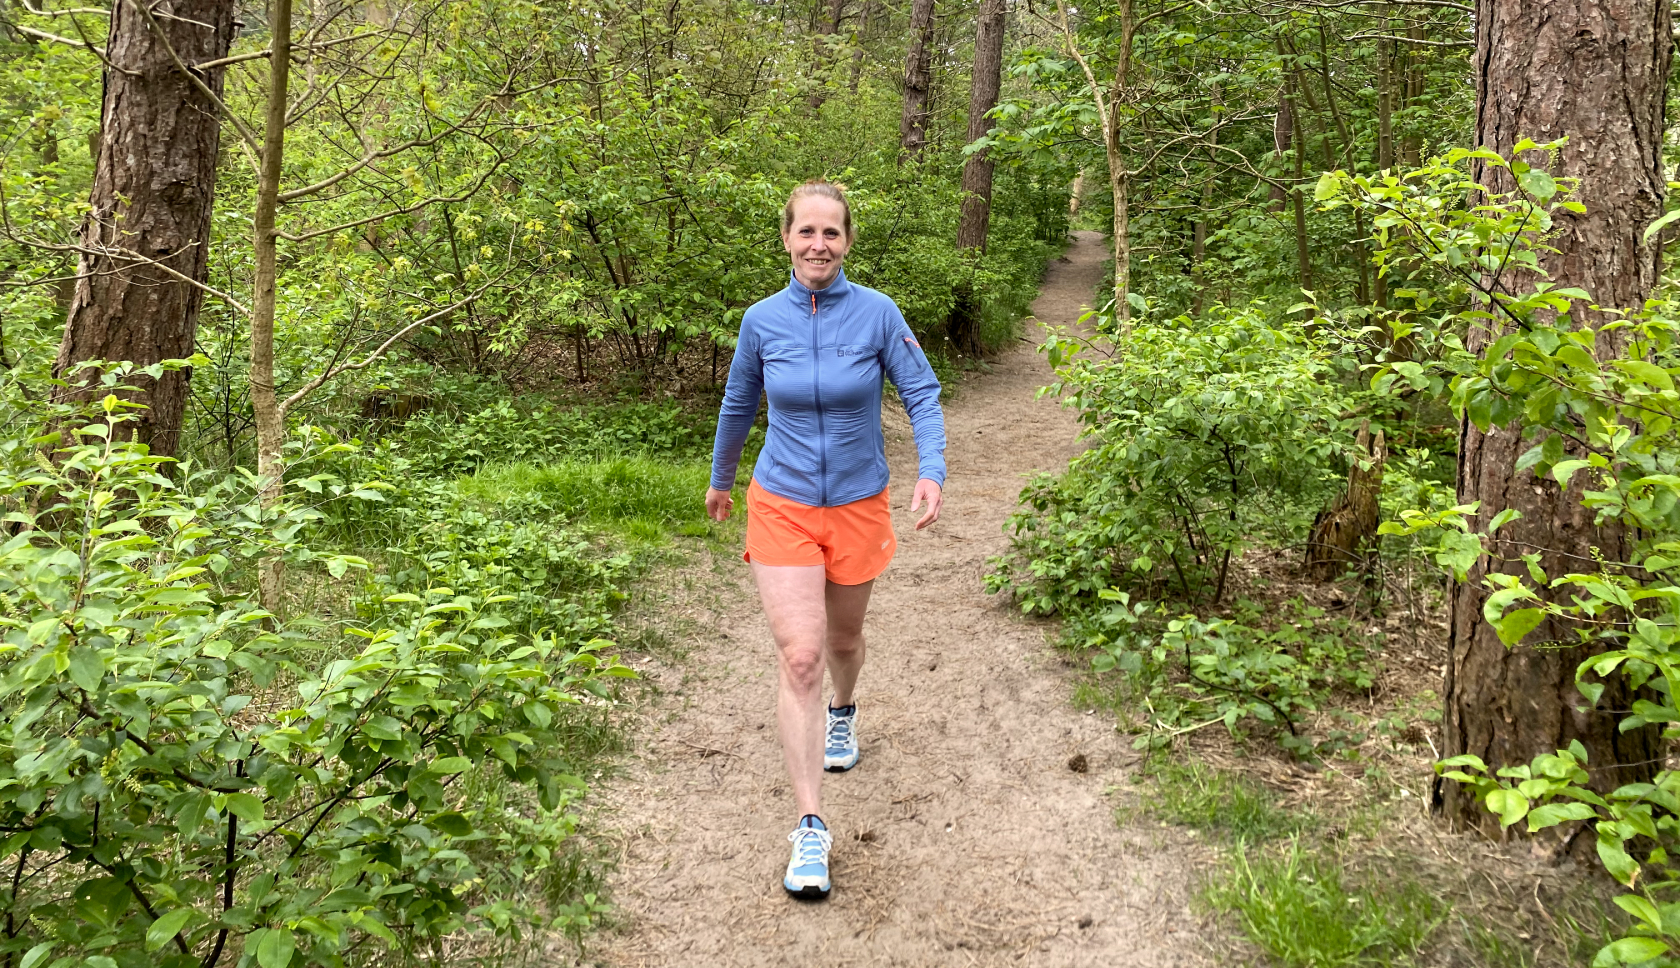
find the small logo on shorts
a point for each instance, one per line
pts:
(884, 545)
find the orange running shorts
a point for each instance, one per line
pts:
(853, 542)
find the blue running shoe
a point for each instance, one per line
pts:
(840, 750)
(807, 870)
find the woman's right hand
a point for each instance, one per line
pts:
(718, 504)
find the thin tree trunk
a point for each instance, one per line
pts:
(1283, 127)
(1596, 73)
(153, 187)
(1198, 244)
(824, 51)
(1411, 146)
(912, 127)
(857, 44)
(270, 421)
(1297, 196)
(987, 79)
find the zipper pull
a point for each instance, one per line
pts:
(813, 304)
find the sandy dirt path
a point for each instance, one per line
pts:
(962, 837)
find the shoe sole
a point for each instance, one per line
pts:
(836, 768)
(810, 892)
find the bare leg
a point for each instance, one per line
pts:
(846, 607)
(794, 603)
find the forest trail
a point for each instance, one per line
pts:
(963, 837)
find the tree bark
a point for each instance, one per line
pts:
(918, 78)
(1594, 71)
(153, 187)
(982, 98)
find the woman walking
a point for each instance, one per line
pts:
(819, 526)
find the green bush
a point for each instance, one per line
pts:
(1207, 434)
(182, 783)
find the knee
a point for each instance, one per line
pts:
(802, 667)
(845, 642)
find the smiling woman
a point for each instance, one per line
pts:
(819, 529)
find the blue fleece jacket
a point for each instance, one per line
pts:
(819, 356)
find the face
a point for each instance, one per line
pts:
(817, 240)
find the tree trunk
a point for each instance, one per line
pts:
(1594, 72)
(1411, 145)
(918, 78)
(1199, 236)
(1343, 532)
(270, 420)
(963, 326)
(824, 52)
(858, 38)
(983, 97)
(1297, 197)
(1283, 127)
(153, 185)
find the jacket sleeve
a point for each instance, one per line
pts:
(908, 368)
(740, 406)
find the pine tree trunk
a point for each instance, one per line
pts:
(918, 78)
(153, 187)
(1594, 71)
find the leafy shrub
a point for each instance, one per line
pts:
(181, 784)
(1208, 433)
(1190, 672)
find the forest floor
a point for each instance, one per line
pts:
(979, 827)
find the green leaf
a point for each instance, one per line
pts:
(34, 956)
(1519, 623)
(86, 669)
(451, 823)
(1538, 183)
(1660, 224)
(451, 764)
(1509, 804)
(1632, 951)
(275, 949)
(1328, 187)
(244, 806)
(161, 931)
(1642, 909)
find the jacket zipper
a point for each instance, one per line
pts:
(816, 399)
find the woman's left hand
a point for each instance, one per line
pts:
(929, 491)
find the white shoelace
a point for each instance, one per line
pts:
(810, 845)
(839, 732)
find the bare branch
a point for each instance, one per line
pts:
(316, 383)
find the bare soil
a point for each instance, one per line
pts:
(979, 826)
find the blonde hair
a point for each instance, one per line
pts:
(820, 188)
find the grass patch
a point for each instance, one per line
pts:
(1296, 906)
(1193, 794)
(638, 495)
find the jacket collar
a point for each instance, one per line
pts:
(798, 292)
